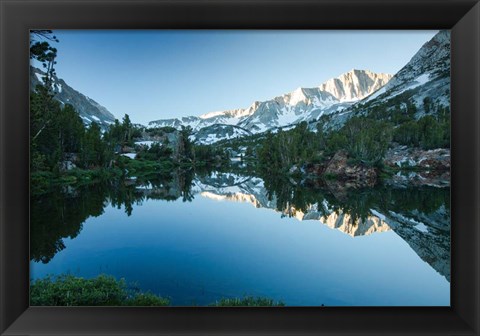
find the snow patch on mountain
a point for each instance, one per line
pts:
(217, 132)
(212, 114)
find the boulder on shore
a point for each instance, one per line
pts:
(358, 175)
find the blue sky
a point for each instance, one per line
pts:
(166, 74)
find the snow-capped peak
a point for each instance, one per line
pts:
(211, 114)
(296, 97)
(302, 104)
(355, 84)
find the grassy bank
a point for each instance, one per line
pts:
(43, 181)
(104, 290)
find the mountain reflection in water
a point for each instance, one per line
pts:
(420, 216)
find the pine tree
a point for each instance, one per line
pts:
(43, 52)
(127, 130)
(94, 151)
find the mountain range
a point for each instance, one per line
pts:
(302, 104)
(424, 82)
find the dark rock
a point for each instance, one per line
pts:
(357, 175)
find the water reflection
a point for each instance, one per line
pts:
(420, 216)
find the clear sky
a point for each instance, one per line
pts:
(158, 74)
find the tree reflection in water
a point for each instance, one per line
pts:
(61, 213)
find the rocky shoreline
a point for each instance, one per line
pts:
(403, 167)
(417, 167)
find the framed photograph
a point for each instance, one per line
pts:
(239, 168)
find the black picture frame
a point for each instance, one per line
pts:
(18, 16)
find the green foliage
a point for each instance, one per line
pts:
(434, 133)
(122, 134)
(136, 133)
(330, 176)
(209, 154)
(160, 131)
(67, 290)
(95, 151)
(155, 152)
(428, 132)
(280, 151)
(70, 129)
(248, 301)
(55, 132)
(127, 128)
(114, 135)
(367, 140)
(37, 160)
(94, 175)
(427, 101)
(136, 167)
(249, 152)
(105, 290)
(336, 141)
(40, 181)
(184, 150)
(146, 300)
(43, 52)
(408, 133)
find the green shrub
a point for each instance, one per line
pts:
(248, 301)
(40, 181)
(67, 290)
(147, 299)
(330, 176)
(105, 290)
(66, 179)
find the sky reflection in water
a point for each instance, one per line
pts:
(197, 252)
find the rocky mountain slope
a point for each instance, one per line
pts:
(355, 84)
(423, 84)
(88, 109)
(302, 104)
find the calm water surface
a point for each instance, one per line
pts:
(199, 239)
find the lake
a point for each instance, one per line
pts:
(199, 238)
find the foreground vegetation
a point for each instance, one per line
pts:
(248, 301)
(67, 290)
